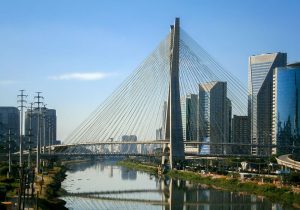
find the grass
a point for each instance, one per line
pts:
(274, 193)
(51, 186)
(138, 166)
(52, 182)
(10, 184)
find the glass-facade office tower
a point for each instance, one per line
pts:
(9, 120)
(189, 112)
(228, 149)
(260, 90)
(47, 126)
(286, 110)
(128, 148)
(240, 134)
(213, 116)
(160, 132)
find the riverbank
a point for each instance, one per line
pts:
(8, 185)
(8, 190)
(284, 195)
(138, 166)
(71, 162)
(49, 189)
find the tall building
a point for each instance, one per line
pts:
(189, 114)
(213, 116)
(159, 134)
(286, 110)
(240, 134)
(9, 120)
(228, 126)
(161, 131)
(260, 88)
(128, 148)
(46, 119)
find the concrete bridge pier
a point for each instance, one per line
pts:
(173, 118)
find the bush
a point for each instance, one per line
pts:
(3, 170)
(8, 180)
(292, 178)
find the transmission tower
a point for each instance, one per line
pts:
(22, 101)
(9, 152)
(38, 132)
(30, 134)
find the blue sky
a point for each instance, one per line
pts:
(59, 46)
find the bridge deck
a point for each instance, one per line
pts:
(285, 160)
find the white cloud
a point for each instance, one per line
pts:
(7, 82)
(82, 76)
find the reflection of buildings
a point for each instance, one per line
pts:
(214, 111)
(211, 199)
(128, 174)
(102, 167)
(111, 171)
(180, 194)
(173, 192)
(240, 134)
(286, 109)
(260, 84)
(128, 148)
(47, 125)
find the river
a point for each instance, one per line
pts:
(104, 185)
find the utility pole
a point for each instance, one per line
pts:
(9, 152)
(49, 135)
(44, 128)
(38, 143)
(30, 135)
(21, 101)
(30, 174)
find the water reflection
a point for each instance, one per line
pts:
(107, 186)
(128, 174)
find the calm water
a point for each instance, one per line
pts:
(104, 185)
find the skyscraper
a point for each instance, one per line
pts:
(228, 126)
(128, 148)
(240, 134)
(286, 110)
(213, 116)
(47, 125)
(260, 88)
(189, 112)
(10, 120)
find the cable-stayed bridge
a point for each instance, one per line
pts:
(147, 108)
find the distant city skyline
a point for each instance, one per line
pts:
(78, 53)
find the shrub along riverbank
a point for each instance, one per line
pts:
(138, 166)
(49, 196)
(285, 195)
(8, 186)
